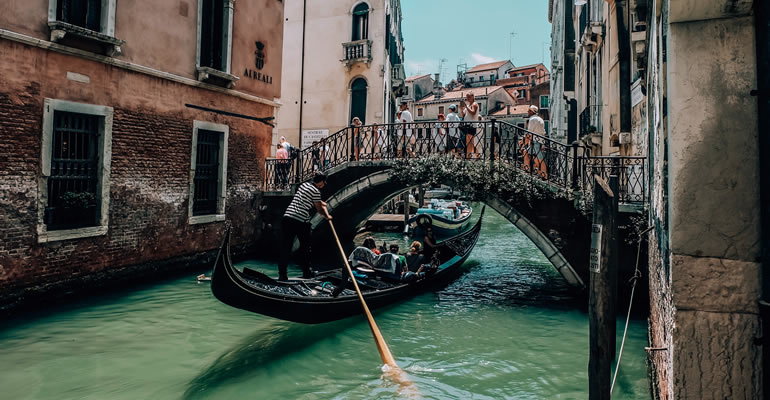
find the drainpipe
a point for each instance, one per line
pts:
(762, 27)
(302, 73)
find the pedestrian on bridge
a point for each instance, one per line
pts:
(538, 145)
(407, 139)
(471, 113)
(296, 224)
(454, 143)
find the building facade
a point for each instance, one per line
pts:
(128, 136)
(485, 74)
(343, 59)
(707, 210)
(489, 98)
(687, 87)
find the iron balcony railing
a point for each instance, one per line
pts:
(565, 166)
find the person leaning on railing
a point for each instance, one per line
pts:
(538, 145)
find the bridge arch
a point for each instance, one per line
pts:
(354, 200)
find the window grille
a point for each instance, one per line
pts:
(206, 181)
(73, 183)
(84, 13)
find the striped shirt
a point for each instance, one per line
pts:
(302, 203)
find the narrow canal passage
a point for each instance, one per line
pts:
(506, 329)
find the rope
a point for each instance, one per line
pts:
(633, 279)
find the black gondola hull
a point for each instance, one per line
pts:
(235, 289)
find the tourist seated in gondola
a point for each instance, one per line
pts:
(370, 244)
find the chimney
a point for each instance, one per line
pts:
(509, 110)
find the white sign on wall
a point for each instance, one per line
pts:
(636, 93)
(313, 135)
(595, 264)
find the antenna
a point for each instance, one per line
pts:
(510, 43)
(441, 67)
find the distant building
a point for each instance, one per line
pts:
(490, 99)
(350, 65)
(485, 74)
(416, 88)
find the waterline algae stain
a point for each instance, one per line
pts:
(507, 328)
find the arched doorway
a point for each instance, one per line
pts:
(358, 100)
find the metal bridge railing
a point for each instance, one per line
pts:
(565, 166)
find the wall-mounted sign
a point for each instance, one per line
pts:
(259, 63)
(636, 92)
(313, 135)
(595, 264)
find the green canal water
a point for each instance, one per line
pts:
(506, 329)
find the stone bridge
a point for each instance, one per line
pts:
(362, 178)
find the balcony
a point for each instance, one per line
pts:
(398, 79)
(357, 51)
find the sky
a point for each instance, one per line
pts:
(473, 32)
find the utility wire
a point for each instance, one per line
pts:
(635, 279)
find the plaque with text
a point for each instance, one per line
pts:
(596, 248)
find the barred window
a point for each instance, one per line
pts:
(73, 197)
(208, 172)
(206, 184)
(75, 158)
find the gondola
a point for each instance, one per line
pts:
(443, 226)
(312, 301)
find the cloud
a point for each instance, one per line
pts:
(482, 59)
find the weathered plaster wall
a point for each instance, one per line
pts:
(713, 209)
(163, 35)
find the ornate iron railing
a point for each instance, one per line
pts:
(631, 173)
(564, 166)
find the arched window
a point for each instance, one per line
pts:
(358, 99)
(361, 22)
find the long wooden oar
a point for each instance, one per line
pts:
(406, 387)
(385, 354)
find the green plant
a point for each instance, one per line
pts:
(77, 200)
(478, 180)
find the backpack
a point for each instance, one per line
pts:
(293, 152)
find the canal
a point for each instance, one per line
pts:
(506, 329)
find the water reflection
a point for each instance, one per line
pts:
(251, 355)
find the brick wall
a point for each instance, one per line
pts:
(149, 181)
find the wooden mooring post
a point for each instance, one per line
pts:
(603, 297)
(405, 198)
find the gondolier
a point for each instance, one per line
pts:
(296, 224)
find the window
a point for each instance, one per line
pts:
(547, 126)
(492, 77)
(215, 41)
(481, 78)
(419, 112)
(94, 15)
(90, 19)
(544, 102)
(361, 22)
(522, 93)
(208, 173)
(75, 169)
(440, 109)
